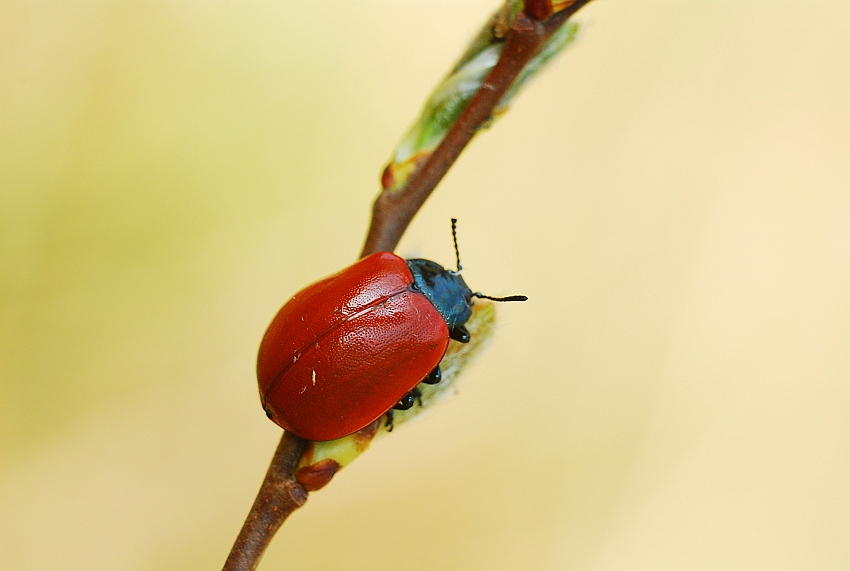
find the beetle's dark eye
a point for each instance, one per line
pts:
(415, 287)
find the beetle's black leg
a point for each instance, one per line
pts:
(459, 333)
(405, 402)
(434, 376)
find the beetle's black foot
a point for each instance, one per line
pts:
(406, 402)
(433, 377)
(459, 333)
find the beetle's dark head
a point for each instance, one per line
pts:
(446, 288)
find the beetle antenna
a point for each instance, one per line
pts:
(508, 298)
(454, 239)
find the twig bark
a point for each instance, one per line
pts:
(392, 212)
(279, 496)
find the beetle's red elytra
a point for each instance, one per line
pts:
(344, 350)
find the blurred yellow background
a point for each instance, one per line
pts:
(672, 195)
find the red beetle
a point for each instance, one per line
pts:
(353, 346)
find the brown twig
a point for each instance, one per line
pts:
(279, 496)
(392, 212)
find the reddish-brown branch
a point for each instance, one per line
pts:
(280, 494)
(540, 10)
(393, 210)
